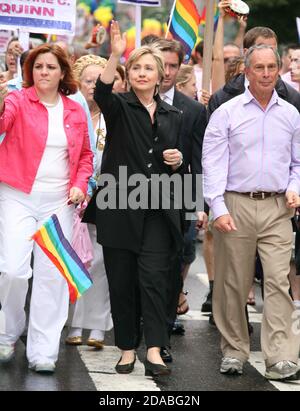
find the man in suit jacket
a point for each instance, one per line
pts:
(194, 125)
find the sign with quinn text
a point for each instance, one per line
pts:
(38, 16)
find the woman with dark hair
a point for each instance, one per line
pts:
(120, 80)
(45, 160)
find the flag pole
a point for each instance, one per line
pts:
(208, 44)
(138, 25)
(170, 19)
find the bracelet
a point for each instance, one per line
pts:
(180, 161)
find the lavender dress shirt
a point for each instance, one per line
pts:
(247, 148)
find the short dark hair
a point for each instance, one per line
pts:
(199, 48)
(252, 35)
(286, 48)
(149, 39)
(68, 85)
(172, 46)
(121, 70)
(23, 57)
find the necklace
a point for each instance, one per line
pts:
(100, 143)
(51, 104)
(95, 115)
(149, 105)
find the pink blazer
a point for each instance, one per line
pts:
(25, 121)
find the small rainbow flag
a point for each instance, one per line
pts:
(216, 16)
(184, 25)
(52, 241)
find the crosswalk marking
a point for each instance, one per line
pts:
(256, 360)
(100, 366)
(197, 315)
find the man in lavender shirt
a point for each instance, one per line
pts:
(251, 163)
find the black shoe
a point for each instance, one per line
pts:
(207, 305)
(165, 354)
(211, 320)
(178, 328)
(125, 368)
(154, 370)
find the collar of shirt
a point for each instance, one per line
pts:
(168, 96)
(248, 97)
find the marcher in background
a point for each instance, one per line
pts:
(186, 81)
(191, 139)
(13, 51)
(92, 310)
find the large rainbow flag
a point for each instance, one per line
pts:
(184, 25)
(52, 241)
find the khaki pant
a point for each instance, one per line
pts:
(263, 225)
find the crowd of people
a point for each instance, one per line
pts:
(69, 122)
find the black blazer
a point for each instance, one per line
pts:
(194, 125)
(236, 86)
(133, 141)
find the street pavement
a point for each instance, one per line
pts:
(195, 366)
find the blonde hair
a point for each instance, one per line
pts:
(85, 61)
(184, 74)
(155, 52)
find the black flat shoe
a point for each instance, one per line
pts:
(125, 368)
(154, 370)
(165, 354)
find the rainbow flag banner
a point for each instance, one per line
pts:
(184, 25)
(52, 241)
(216, 16)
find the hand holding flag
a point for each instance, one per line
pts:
(52, 241)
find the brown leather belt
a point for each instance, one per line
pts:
(259, 195)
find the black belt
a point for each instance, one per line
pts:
(259, 195)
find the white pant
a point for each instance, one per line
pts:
(92, 310)
(20, 216)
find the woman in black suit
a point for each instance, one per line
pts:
(138, 243)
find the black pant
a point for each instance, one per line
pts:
(138, 285)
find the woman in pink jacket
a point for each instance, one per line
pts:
(45, 159)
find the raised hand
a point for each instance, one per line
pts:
(223, 5)
(17, 49)
(118, 40)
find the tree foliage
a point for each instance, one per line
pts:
(280, 15)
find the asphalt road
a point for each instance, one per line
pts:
(195, 367)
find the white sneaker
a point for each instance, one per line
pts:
(7, 351)
(45, 368)
(282, 370)
(231, 366)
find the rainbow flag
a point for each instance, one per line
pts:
(52, 241)
(184, 25)
(216, 16)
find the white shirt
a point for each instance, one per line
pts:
(100, 142)
(168, 96)
(54, 171)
